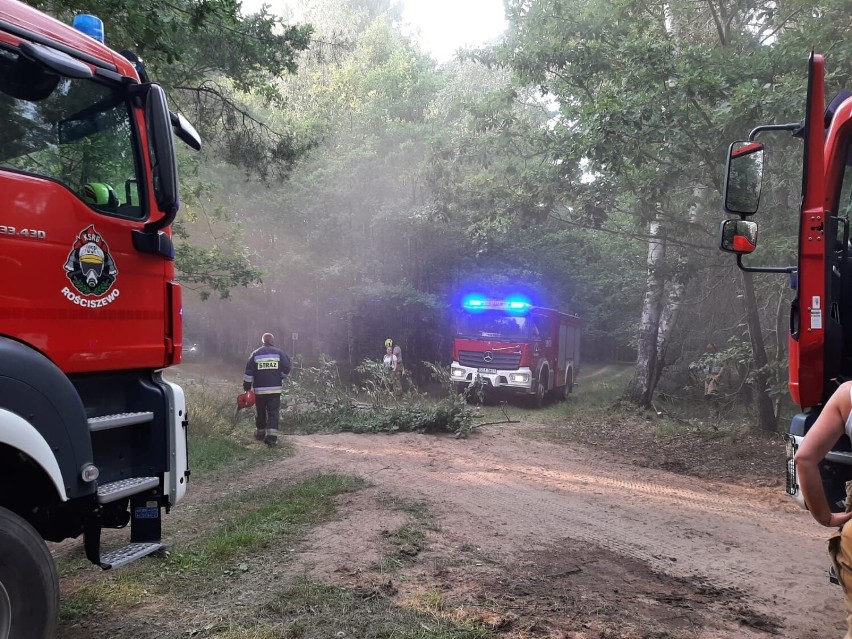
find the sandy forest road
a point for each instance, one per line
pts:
(751, 561)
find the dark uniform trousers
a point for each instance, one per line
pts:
(268, 406)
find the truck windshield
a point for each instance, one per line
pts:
(493, 325)
(77, 132)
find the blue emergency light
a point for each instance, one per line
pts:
(517, 304)
(91, 25)
(514, 304)
(474, 302)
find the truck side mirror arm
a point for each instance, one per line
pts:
(764, 269)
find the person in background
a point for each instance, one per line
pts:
(265, 372)
(398, 370)
(833, 422)
(713, 372)
(397, 353)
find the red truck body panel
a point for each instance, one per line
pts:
(135, 322)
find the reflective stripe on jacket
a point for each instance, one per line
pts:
(266, 369)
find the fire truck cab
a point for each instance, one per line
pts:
(91, 434)
(512, 347)
(820, 334)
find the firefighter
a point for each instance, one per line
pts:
(834, 421)
(265, 372)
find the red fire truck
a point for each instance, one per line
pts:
(510, 346)
(820, 340)
(91, 434)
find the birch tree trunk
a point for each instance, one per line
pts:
(675, 291)
(640, 389)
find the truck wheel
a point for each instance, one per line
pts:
(29, 585)
(569, 386)
(540, 390)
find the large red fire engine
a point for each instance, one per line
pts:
(510, 346)
(91, 435)
(820, 341)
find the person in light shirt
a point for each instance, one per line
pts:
(833, 422)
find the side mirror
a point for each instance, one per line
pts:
(185, 131)
(738, 236)
(162, 149)
(744, 178)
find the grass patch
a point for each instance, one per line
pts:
(411, 538)
(592, 399)
(68, 564)
(270, 516)
(256, 519)
(210, 455)
(408, 535)
(217, 441)
(310, 609)
(91, 599)
(407, 540)
(419, 510)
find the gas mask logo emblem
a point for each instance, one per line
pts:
(90, 266)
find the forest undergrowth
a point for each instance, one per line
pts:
(686, 435)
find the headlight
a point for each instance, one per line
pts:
(519, 377)
(458, 372)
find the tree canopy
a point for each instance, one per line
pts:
(352, 187)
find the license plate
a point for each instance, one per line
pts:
(493, 371)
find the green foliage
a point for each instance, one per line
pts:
(318, 400)
(208, 55)
(213, 269)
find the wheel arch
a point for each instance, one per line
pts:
(43, 417)
(19, 436)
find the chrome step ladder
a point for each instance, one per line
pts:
(144, 517)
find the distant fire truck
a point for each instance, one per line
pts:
(511, 346)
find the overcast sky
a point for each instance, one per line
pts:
(447, 25)
(443, 25)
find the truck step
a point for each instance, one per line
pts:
(125, 488)
(130, 552)
(839, 457)
(118, 420)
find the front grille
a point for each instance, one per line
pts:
(505, 361)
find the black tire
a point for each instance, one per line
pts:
(569, 386)
(540, 389)
(29, 585)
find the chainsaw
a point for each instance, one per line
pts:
(244, 400)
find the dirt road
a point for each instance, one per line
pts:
(702, 558)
